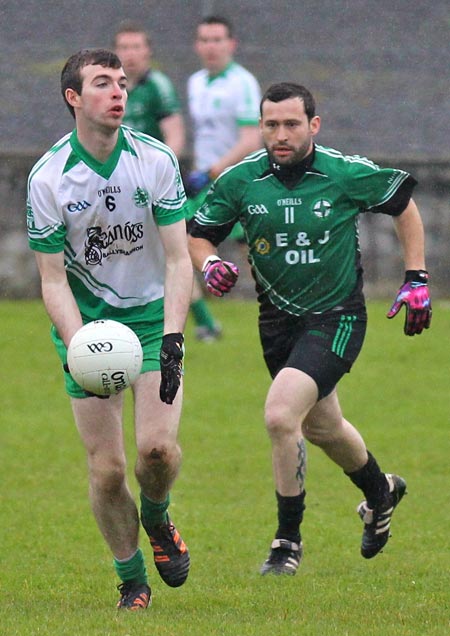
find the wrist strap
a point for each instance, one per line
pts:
(210, 259)
(416, 276)
(177, 337)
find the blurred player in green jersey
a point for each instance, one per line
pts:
(153, 107)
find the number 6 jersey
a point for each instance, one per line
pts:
(104, 216)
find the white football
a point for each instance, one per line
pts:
(104, 357)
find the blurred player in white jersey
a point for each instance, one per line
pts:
(105, 214)
(224, 108)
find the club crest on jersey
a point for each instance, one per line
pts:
(322, 208)
(262, 246)
(30, 217)
(140, 197)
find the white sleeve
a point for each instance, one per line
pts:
(248, 98)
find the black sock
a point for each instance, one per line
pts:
(290, 516)
(371, 481)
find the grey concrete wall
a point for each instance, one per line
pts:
(378, 68)
(381, 255)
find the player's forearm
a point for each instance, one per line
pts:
(174, 133)
(57, 296)
(249, 141)
(177, 293)
(62, 309)
(199, 250)
(410, 232)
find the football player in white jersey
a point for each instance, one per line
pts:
(223, 101)
(106, 219)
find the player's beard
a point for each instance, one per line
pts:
(298, 153)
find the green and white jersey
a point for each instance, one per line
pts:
(218, 106)
(152, 99)
(303, 241)
(105, 217)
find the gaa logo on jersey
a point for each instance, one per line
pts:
(322, 208)
(140, 197)
(262, 246)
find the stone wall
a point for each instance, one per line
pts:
(378, 70)
(381, 255)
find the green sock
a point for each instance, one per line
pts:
(152, 513)
(132, 569)
(202, 316)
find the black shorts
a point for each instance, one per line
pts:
(324, 346)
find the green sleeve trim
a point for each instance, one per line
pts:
(51, 243)
(47, 248)
(247, 122)
(167, 217)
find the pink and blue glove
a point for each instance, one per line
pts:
(415, 296)
(195, 182)
(220, 276)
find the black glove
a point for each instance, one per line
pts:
(87, 393)
(171, 359)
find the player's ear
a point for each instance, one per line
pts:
(314, 125)
(72, 97)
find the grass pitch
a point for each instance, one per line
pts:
(56, 573)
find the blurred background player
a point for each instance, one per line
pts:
(154, 108)
(223, 100)
(153, 105)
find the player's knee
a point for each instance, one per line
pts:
(108, 474)
(278, 419)
(157, 455)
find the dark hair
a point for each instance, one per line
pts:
(287, 90)
(129, 26)
(218, 19)
(71, 73)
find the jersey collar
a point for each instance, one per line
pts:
(222, 73)
(291, 175)
(106, 169)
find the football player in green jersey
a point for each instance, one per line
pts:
(298, 203)
(153, 106)
(106, 220)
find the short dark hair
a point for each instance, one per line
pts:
(71, 73)
(218, 19)
(287, 90)
(130, 26)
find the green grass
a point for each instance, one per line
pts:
(56, 573)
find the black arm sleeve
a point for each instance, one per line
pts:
(397, 203)
(214, 234)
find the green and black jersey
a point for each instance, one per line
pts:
(151, 100)
(302, 237)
